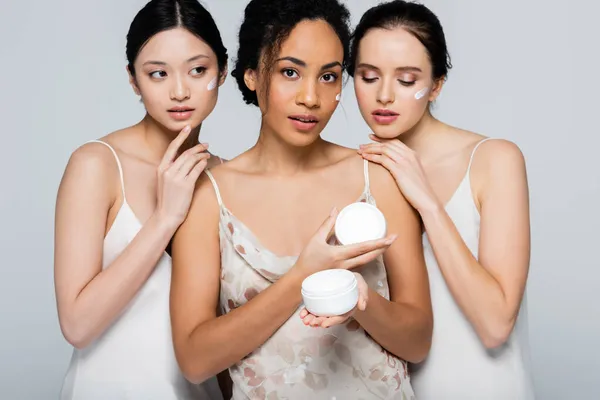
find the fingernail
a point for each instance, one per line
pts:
(391, 240)
(333, 211)
(187, 128)
(204, 144)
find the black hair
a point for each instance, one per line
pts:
(161, 15)
(266, 25)
(415, 18)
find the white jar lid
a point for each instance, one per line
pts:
(328, 282)
(360, 222)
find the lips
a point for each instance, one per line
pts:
(304, 122)
(180, 113)
(304, 118)
(180, 109)
(384, 116)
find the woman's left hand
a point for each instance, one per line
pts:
(405, 166)
(326, 322)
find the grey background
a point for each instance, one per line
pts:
(524, 70)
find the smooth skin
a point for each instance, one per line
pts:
(161, 159)
(428, 160)
(263, 188)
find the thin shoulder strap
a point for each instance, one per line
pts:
(215, 186)
(366, 172)
(473, 153)
(118, 164)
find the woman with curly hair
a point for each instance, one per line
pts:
(249, 239)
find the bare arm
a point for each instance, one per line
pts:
(489, 289)
(404, 324)
(198, 334)
(88, 297)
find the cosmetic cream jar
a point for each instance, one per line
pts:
(359, 222)
(330, 292)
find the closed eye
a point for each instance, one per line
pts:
(406, 83)
(368, 80)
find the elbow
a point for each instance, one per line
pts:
(196, 374)
(417, 356)
(420, 343)
(421, 350)
(77, 343)
(195, 369)
(76, 329)
(496, 334)
(420, 353)
(75, 334)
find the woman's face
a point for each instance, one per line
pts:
(177, 76)
(393, 81)
(305, 83)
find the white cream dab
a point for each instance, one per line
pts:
(212, 84)
(419, 95)
(338, 97)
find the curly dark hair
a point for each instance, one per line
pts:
(266, 25)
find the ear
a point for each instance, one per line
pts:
(437, 89)
(223, 75)
(250, 79)
(133, 82)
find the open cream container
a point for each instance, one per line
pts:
(359, 222)
(330, 292)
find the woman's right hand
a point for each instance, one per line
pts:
(177, 178)
(319, 255)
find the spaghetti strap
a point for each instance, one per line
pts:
(367, 190)
(216, 187)
(473, 153)
(118, 165)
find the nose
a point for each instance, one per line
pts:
(308, 94)
(180, 91)
(385, 92)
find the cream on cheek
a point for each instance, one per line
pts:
(212, 85)
(410, 93)
(421, 93)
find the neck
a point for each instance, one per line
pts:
(273, 155)
(422, 134)
(158, 137)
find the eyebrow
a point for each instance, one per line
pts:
(303, 64)
(199, 56)
(400, 69)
